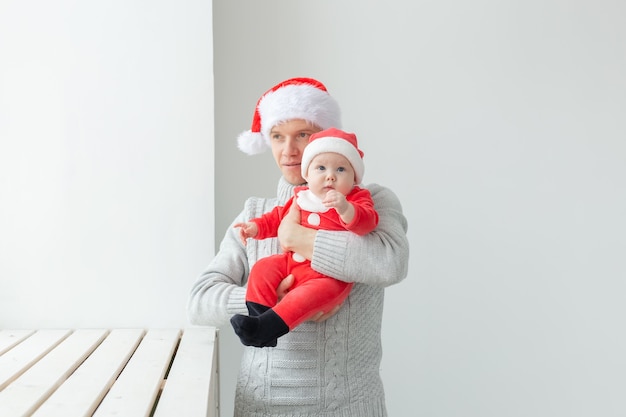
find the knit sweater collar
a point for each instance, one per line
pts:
(284, 191)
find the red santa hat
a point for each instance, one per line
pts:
(296, 98)
(337, 141)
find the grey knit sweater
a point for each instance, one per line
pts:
(328, 369)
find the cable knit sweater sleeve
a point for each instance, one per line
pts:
(219, 292)
(379, 258)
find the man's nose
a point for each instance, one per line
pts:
(290, 147)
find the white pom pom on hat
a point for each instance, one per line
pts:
(337, 141)
(295, 98)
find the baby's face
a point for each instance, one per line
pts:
(329, 170)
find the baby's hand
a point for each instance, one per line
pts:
(246, 230)
(335, 199)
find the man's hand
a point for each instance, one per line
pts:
(288, 229)
(322, 316)
(295, 237)
(284, 286)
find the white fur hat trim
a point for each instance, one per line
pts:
(336, 145)
(299, 100)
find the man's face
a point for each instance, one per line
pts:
(288, 141)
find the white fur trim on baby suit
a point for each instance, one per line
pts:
(336, 145)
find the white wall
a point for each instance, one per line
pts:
(500, 124)
(106, 161)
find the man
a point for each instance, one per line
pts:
(331, 366)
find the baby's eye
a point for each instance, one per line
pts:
(341, 169)
(321, 168)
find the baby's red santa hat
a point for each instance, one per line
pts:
(337, 141)
(295, 98)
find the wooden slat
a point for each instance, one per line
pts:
(134, 392)
(191, 386)
(26, 393)
(21, 357)
(10, 338)
(85, 388)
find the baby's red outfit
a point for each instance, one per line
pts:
(311, 291)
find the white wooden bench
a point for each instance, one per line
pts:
(118, 372)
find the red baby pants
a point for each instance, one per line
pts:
(310, 293)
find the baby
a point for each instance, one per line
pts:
(332, 165)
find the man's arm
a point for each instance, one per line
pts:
(218, 293)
